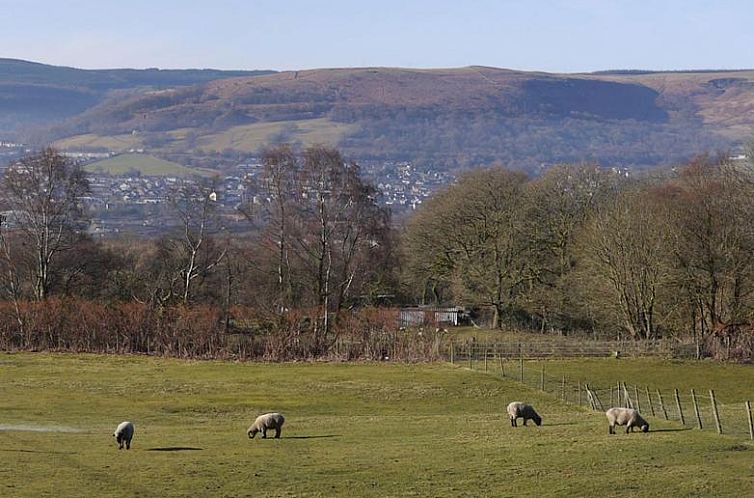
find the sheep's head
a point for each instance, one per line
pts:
(645, 428)
(537, 419)
(252, 432)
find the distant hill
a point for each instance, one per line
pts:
(33, 93)
(446, 118)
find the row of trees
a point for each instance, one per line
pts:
(666, 254)
(669, 253)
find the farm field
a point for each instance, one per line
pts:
(352, 430)
(146, 164)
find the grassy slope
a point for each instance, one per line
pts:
(250, 138)
(246, 138)
(148, 165)
(352, 430)
(118, 143)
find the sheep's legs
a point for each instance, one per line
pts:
(128, 445)
(513, 422)
(611, 429)
(264, 433)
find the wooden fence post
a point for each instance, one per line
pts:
(579, 385)
(612, 398)
(751, 422)
(502, 368)
(680, 409)
(589, 397)
(542, 378)
(562, 389)
(620, 399)
(471, 361)
(521, 361)
(636, 396)
(696, 409)
(485, 357)
(629, 403)
(662, 405)
(649, 400)
(452, 353)
(714, 411)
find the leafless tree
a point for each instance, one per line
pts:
(43, 194)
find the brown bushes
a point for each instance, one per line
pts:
(201, 332)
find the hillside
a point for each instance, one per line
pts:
(143, 164)
(442, 117)
(33, 93)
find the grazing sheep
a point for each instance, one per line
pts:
(625, 416)
(522, 410)
(123, 434)
(264, 422)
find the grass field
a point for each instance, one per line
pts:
(352, 430)
(147, 164)
(116, 143)
(245, 138)
(252, 137)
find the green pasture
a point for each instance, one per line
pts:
(252, 137)
(369, 429)
(146, 164)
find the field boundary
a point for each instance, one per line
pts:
(692, 409)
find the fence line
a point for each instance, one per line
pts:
(537, 348)
(734, 419)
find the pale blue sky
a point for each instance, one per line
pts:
(548, 35)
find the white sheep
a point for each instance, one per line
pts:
(265, 422)
(124, 433)
(625, 416)
(518, 409)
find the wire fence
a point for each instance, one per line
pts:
(693, 409)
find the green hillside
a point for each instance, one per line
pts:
(145, 164)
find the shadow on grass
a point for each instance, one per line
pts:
(672, 430)
(175, 448)
(312, 437)
(558, 424)
(37, 451)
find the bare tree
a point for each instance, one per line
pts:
(627, 252)
(43, 192)
(474, 238)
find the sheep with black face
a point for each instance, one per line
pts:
(123, 434)
(518, 409)
(265, 422)
(625, 416)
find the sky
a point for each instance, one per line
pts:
(544, 35)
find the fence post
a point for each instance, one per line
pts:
(696, 409)
(589, 396)
(621, 400)
(636, 395)
(629, 403)
(542, 378)
(751, 422)
(471, 361)
(579, 393)
(612, 397)
(502, 368)
(714, 411)
(562, 389)
(678, 404)
(485, 357)
(649, 400)
(452, 352)
(662, 405)
(521, 361)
